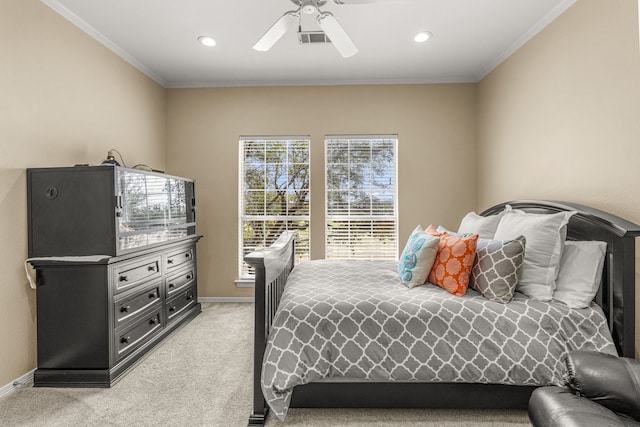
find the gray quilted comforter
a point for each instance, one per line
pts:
(355, 319)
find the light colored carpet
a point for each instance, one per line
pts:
(201, 376)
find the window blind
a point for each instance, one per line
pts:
(274, 194)
(361, 197)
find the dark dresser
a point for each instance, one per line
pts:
(115, 256)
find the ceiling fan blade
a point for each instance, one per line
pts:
(277, 30)
(337, 35)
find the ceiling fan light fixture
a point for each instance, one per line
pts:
(336, 33)
(422, 36)
(273, 34)
(309, 7)
(207, 41)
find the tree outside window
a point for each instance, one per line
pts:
(274, 194)
(361, 212)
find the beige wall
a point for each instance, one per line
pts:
(436, 154)
(64, 99)
(560, 119)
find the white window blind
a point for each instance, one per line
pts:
(274, 194)
(361, 206)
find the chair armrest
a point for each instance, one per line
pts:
(611, 381)
(558, 407)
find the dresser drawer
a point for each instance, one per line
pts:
(178, 259)
(131, 304)
(179, 281)
(134, 336)
(181, 302)
(130, 274)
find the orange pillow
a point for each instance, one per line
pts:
(454, 260)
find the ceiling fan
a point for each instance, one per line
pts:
(328, 23)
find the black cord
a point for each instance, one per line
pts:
(142, 166)
(119, 155)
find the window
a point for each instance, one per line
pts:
(274, 182)
(361, 206)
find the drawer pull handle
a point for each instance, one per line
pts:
(187, 255)
(153, 321)
(172, 308)
(153, 295)
(170, 261)
(190, 297)
(125, 308)
(125, 340)
(152, 268)
(171, 285)
(123, 278)
(189, 277)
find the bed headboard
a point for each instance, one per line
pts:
(617, 292)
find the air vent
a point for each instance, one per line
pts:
(312, 37)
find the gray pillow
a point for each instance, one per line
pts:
(545, 235)
(484, 226)
(496, 269)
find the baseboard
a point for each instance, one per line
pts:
(225, 299)
(24, 380)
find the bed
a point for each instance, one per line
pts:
(612, 323)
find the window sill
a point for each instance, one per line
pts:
(245, 283)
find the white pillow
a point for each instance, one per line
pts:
(418, 257)
(580, 273)
(545, 235)
(483, 226)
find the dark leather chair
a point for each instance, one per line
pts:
(601, 390)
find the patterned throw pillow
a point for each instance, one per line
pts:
(496, 269)
(454, 261)
(417, 257)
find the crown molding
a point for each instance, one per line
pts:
(102, 39)
(262, 83)
(546, 20)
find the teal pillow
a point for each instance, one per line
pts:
(417, 257)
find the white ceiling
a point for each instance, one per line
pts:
(470, 38)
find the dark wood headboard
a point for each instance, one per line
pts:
(617, 293)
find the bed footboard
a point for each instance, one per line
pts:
(272, 267)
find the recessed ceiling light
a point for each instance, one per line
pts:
(207, 41)
(422, 37)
